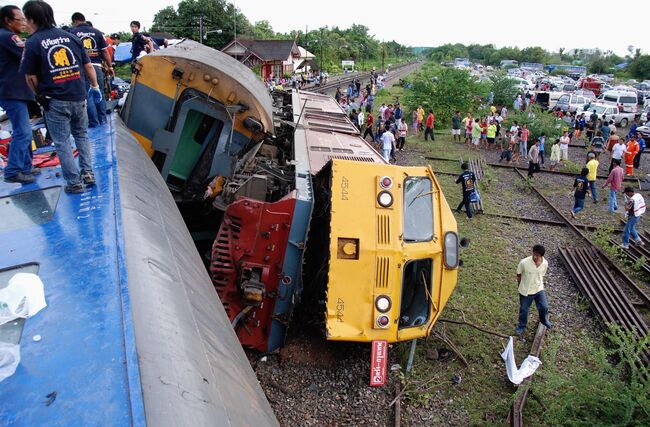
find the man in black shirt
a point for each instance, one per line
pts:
(56, 67)
(580, 190)
(97, 49)
(468, 181)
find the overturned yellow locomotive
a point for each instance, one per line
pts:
(298, 206)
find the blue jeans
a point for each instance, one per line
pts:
(578, 205)
(20, 148)
(592, 187)
(96, 111)
(630, 229)
(613, 206)
(524, 304)
(65, 118)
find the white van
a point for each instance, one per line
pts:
(571, 102)
(629, 100)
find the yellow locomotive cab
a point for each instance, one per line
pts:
(393, 252)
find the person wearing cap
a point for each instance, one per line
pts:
(634, 208)
(592, 165)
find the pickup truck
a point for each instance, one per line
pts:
(609, 112)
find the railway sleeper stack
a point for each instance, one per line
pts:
(598, 285)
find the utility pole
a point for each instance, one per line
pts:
(383, 55)
(234, 19)
(201, 29)
(321, 50)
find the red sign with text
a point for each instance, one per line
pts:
(378, 362)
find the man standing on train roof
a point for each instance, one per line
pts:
(15, 96)
(468, 180)
(530, 278)
(97, 49)
(52, 64)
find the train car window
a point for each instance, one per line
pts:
(418, 209)
(11, 332)
(416, 293)
(29, 208)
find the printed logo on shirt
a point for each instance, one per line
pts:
(89, 43)
(62, 62)
(18, 41)
(469, 184)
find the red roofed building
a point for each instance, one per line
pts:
(276, 57)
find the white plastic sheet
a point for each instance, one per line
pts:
(9, 359)
(23, 297)
(527, 368)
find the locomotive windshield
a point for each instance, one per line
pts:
(416, 293)
(418, 209)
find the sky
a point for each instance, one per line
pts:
(521, 23)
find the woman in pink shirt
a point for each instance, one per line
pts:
(614, 180)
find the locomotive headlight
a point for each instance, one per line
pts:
(383, 303)
(451, 249)
(385, 199)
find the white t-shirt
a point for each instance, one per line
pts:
(564, 142)
(387, 140)
(617, 151)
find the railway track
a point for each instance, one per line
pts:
(394, 73)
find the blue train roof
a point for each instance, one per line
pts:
(86, 360)
(133, 332)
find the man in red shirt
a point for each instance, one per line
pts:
(429, 130)
(369, 122)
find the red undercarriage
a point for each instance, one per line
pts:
(246, 268)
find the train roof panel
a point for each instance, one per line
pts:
(327, 132)
(83, 369)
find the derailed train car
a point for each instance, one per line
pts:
(292, 202)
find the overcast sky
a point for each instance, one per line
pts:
(548, 23)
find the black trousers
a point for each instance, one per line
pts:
(532, 168)
(637, 160)
(468, 205)
(429, 131)
(368, 132)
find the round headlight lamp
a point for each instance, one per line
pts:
(385, 199)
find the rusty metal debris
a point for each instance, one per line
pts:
(516, 415)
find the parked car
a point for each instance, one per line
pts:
(609, 112)
(629, 100)
(571, 102)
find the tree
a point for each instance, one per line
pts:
(445, 91)
(186, 20)
(640, 67)
(503, 88)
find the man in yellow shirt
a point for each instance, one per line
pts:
(592, 165)
(530, 277)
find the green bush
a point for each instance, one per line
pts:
(602, 393)
(445, 91)
(538, 122)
